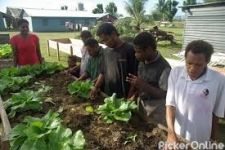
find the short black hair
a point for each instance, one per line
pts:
(200, 47)
(21, 21)
(86, 34)
(145, 40)
(107, 29)
(91, 42)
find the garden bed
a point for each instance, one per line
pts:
(99, 135)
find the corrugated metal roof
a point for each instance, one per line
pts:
(206, 24)
(32, 12)
(214, 4)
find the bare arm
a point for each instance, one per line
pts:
(39, 53)
(153, 91)
(214, 132)
(170, 119)
(83, 77)
(14, 55)
(97, 86)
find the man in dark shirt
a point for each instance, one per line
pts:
(153, 72)
(119, 60)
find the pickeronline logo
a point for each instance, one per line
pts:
(208, 145)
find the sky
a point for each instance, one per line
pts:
(89, 5)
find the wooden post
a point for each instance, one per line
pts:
(6, 127)
(58, 57)
(71, 50)
(48, 50)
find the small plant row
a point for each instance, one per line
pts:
(46, 133)
(32, 70)
(25, 100)
(113, 109)
(12, 79)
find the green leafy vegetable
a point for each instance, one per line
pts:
(13, 83)
(25, 100)
(116, 109)
(46, 133)
(33, 70)
(80, 88)
(5, 51)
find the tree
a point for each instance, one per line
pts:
(99, 9)
(171, 9)
(161, 8)
(135, 9)
(167, 9)
(189, 2)
(157, 15)
(64, 7)
(111, 9)
(80, 6)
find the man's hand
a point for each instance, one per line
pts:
(94, 93)
(132, 98)
(135, 81)
(171, 142)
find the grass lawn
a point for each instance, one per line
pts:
(166, 49)
(44, 36)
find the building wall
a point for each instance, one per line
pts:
(2, 24)
(47, 24)
(206, 23)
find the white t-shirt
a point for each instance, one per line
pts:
(195, 102)
(84, 60)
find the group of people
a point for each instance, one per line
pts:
(194, 94)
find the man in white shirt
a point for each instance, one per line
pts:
(195, 96)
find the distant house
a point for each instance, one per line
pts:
(107, 18)
(2, 22)
(206, 22)
(52, 20)
(15, 14)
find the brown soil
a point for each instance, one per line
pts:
(98, 134)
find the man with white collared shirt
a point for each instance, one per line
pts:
(195, 96)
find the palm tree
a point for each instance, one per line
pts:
(111, 9)
(161, 7)
(171, 9)
(135, 9)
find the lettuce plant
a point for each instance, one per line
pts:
(25, 100)
(5, 51)
(116, 109)
(46, 133)
(12, 83)
(80, 88)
